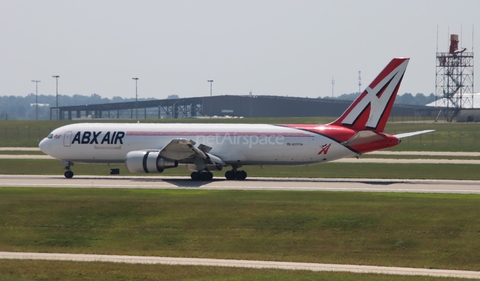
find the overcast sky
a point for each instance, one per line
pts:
(270, 47)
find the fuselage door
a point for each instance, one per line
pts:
(67, 139)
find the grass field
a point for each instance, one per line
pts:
(47, 270)
(412, 230)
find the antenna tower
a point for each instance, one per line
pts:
(454, 78)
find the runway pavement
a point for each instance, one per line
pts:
(422, 157)
(244, 264)
(298, 184)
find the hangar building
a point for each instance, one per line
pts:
(226, 105)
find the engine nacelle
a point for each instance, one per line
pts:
(145, 161)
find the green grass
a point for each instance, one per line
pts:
(20, 152)
(327, 170)
(59, 270)
(447, 136)
(413, 156)
(412, 230)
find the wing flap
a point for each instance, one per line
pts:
(180, 149)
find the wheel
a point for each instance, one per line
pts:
(241, 175)
(207, 176)
(68, 174)
(195, 176)
(229, 175)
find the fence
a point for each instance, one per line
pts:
(23, 136)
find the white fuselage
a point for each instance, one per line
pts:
(235, 144)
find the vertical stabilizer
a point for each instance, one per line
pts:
(370, 111)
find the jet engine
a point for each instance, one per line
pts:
(148, 161)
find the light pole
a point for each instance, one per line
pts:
(56, 104)
(211, 82)
(136, 97)
(36, 98)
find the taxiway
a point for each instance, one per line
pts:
(298, 184)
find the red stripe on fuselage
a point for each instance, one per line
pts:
(336, 133)
(226, 134)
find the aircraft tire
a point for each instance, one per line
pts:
(198, 176)
(241, 175)
(195, 176)
(68, 174)
(208, 176)
(230, 175)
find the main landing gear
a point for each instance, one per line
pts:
(229, 175)
(235, 175)
(201, 176)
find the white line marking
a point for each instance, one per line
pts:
(244, 264)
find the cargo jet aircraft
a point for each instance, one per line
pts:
(203, 148)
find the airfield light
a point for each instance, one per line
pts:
(56, 103)
(210, 81)
(136, 97)
(36, 98)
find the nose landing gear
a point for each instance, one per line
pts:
(68, 173)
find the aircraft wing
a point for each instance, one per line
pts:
(182, 149)
(411, 134)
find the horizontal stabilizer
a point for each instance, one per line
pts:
(411, 134)
(362, 137)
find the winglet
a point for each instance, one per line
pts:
(372, 108)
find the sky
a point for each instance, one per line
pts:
(267, 47)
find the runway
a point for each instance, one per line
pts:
(245, 264)
(295, 184)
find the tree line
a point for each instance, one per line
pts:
(407, 98)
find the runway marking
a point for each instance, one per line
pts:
(297, 188)
(243, 264)
(285, 184)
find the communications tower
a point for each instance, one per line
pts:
(454, 79)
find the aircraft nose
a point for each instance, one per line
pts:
(43, 145)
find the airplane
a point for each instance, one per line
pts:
(203, 148)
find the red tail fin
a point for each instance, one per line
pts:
(372, 108)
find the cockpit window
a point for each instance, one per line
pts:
(50, 136)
